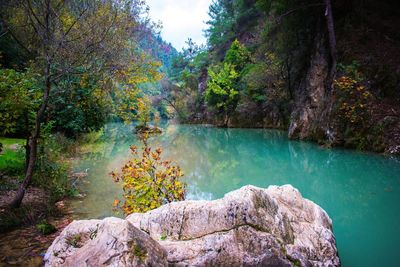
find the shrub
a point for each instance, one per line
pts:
(353, 100)
(353, 107)
(51, 165)
(46, 228)
(221, 92)
(148, 181)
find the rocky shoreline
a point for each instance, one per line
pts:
(248, 227)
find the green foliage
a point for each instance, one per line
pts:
(74, 240)
(191, 60)
(139, 252)
(163, 236)
(148, 181)
(221, 24)
(19, 95)
(12, 158)
(352, 70)
(221, 92)
(228, 19)
(263, 81)
(182, 94)
(80, 105)
(222, 87)
(51, 166)
(93, 60)
(255, 83)
(143, 111)
(237, 55)
(46, 228)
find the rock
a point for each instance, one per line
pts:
(108, 242)
(310, 118)
(248, 227)
(150, 129)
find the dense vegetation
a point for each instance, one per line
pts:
(326, 71)
(67, 68)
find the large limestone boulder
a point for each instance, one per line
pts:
(248, 227)
(108, 242)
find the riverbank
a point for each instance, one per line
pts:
(382, 137)
(44, 211)
(25, 246)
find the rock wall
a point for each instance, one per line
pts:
(310, 115)
(248, 227)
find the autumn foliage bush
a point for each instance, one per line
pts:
(148, 181)
(354, 100)
(353, 108)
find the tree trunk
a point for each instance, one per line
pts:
(331, 37)
(33, 140)
(226, 119)
(27, 149)
(27, 153)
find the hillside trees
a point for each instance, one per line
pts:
(223, 86)
(181, 90)
(268, 43)
(67, 39)
(221, 92)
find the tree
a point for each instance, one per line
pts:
(332, 38)
(67, 38)
(221, 30)
(19, 98)
(79, 104)
(19, 94)
(221, 92)
(237, 55)
(190, 53)
(127, 96)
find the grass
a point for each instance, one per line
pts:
(12, 158)
(11, 141)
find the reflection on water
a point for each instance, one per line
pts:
(360, 191)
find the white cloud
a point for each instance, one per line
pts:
(181, 19)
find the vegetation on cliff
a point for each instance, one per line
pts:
(291, 72)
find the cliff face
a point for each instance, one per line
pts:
(248, 227)
(300, 96)
(310, 115)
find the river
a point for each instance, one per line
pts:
(360, 191)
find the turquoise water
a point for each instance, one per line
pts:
(360, 191)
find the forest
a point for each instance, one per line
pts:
(98, 111)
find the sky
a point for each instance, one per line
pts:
(181, 19)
